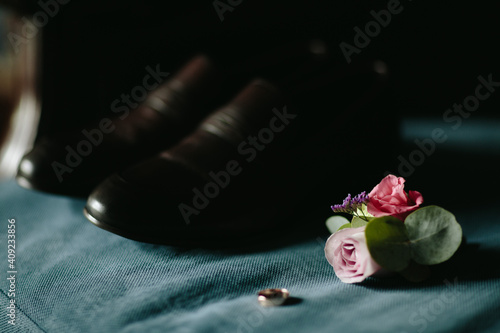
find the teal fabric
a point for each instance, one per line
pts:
(74, 277)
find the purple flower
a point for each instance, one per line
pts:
(350, 205)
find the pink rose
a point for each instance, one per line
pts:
(389, 198)
(347, 252)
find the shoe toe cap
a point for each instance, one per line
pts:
(145, 211)
(43, 169)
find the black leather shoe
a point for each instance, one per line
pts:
(247, 169)
(74, 163)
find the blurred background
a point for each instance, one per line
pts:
(67, 72)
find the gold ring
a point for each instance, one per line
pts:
(273, 297)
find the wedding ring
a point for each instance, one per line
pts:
(273, 297)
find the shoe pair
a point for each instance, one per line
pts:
(168, 173)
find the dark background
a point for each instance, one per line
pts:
(95, 50)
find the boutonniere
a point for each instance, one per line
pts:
(390, 231)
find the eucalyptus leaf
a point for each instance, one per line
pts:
(357, 222)
(434, 234)
(347, 225)
(335, 222)
(388, 243)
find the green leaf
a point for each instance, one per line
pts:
(335, 222)
(347, 225)
(434, 234)
(388, 243)
(363, 211)
(357, 222)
